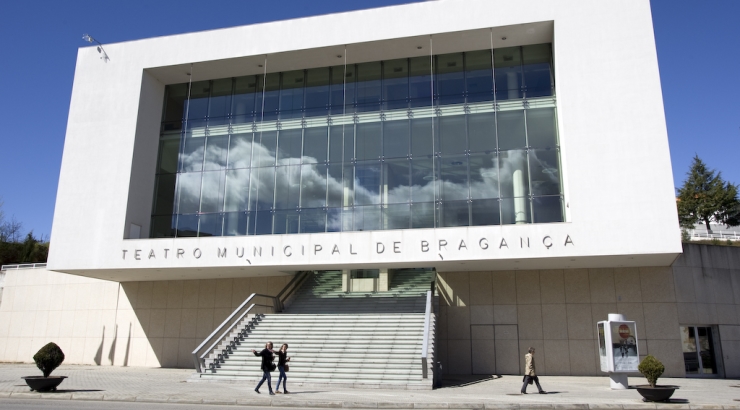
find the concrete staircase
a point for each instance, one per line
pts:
(340, 339)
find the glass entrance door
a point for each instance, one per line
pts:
(698, 351)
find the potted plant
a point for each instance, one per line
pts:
(47, 359)
(652, 368)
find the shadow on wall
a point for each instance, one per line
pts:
(169, 319)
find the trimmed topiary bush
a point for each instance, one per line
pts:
(651, 368)
(48, 358)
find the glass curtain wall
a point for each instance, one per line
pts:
(463, 139)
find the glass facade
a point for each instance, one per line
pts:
(463, 139)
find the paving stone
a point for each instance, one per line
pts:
(87, 396)
(185, 400)
(431, 406)
(394, 405)
(254, 402)
(310, 403)
(152, 399)
(465, 406)
(501, 406)
(359, 405)
(26, 395)
(56, 396)
(119, 397)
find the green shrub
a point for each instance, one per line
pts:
(48, 358)
(651, 368)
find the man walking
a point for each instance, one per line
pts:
(529, 373)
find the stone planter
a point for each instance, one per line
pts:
(657, 393)
(41, 383)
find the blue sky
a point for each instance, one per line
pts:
(697, 44)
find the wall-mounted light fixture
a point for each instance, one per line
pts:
(90, 39)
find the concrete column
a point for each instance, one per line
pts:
(346, 281)
(384, 280)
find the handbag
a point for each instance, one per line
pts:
(273, 366)
(287, 367)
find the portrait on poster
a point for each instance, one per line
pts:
(624, 346)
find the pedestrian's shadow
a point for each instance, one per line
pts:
(293, 393)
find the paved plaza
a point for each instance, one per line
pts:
(156, 385)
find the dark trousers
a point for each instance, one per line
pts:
(526, 382)
(282, 377)
(265, 376)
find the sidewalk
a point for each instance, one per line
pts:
(171, 385)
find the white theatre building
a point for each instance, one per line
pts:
(461, 179)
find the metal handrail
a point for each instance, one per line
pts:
(225, 329)
(425, 341)
(197, 361)
(23, 266)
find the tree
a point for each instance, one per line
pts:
(706, 197)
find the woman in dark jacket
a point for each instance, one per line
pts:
(267, 358)
(283, 360)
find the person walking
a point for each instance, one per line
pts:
(529, 373)
(283, 360)
(267, 357)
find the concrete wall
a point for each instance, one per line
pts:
(107, 323)
(489, 319)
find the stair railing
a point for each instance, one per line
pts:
(227, 327)
(425, 342)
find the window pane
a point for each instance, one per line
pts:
(285, 222)
(482, 132)
(479, 76)
(349, 142)
(169, 151)
(164, 197)
(289, 146)
(397, 189)
(336, 145)
(212, 192)
(508, 73)
(237, 190)
(368, 141)
(420, 82)
(271, 103)
(245, 89)
(367, 218)
(368, 87)
(187, 226)
(515, 211)
(317, 91)
(422, 180)
(421, 137)
(336, 94)
(263, 223)
(240, 151)
(335, 187)
(537, 68)
(548, 209)
(334, 220)
(453, 213)
(483, 176)
(511, 131)
(263, 151)
(313, 221)
(313, 186)
(198, 102)
(314, 144)
(452, 135)
(395, 84)
(350, 89)
(396, 216)
(348, 219)
(450, 79)
(453, 172)
(348, 182)
(513, 173)
(422, 215)
(188, 189)
(395, 138)
(220, 105)
(367, 183)
(163, 226)
(216, 150)
(291, 94)
(191, 159)
(287, 186)
(541, 128)
(485, 212)
(235, 224)
(262, 188)
(210, 225)
(544, 172)
(174, 103)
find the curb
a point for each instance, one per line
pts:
(360, 405)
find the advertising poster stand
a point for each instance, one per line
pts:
(618, 354)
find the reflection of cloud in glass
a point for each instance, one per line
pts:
(314, 185)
